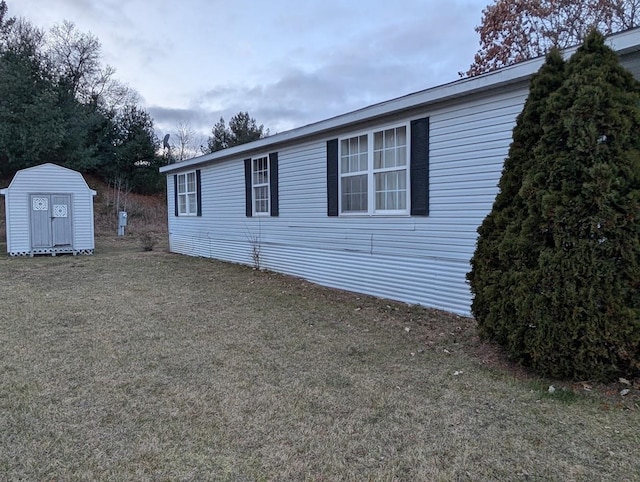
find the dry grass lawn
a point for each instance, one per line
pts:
(132, 365)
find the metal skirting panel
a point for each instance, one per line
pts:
(429, 282)
(433, 282)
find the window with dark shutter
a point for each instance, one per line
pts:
(273, 184)
(371, 172)
(420, 167)
(261, 185)
(332, 177)
(187, 195)
(247, 188)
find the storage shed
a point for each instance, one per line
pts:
(49, 210)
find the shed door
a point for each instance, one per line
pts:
(50, 220)
(41, 236)
(61, 219)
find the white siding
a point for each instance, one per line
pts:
(413, 259)
(48, 179)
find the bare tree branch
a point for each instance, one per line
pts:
(515, 30)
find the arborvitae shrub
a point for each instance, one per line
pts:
(501, 256)
(569, 256)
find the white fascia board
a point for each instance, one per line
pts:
(623, 42)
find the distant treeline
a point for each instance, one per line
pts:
(59, 104)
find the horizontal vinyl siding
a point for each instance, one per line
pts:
(221, 232)
(415, 259)
(83, 221)
(303, 183)
(632, 63)
(18, 237)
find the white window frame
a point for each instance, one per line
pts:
(371, 172)
(258, 185)
(190, 207)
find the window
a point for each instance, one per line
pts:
(187, 187)
(260, 185)
(374, 174)
(390, 169)
(353, 174)
(396, 171)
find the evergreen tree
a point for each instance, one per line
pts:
(564, 294)
(242, 129)
(5, 23)
(58, 104)
(31, 121)
(135, 155)
(582, 300)
(499, 260)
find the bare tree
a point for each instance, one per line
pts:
(515, 30)
(25, 40)
(624, 14)
(5, 22)
(77, 57)
(185, 136)
(188, 142)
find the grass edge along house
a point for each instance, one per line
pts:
(385, 200)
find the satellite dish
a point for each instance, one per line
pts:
(165, 142)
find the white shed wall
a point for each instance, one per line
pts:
(48, 179)
(413, 259)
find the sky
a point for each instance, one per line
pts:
(288, 63)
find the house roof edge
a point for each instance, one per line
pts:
(623, 42)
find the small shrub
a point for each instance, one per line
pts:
(148, 240)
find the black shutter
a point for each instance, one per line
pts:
(273, 183)
(332, 177)
(175, 194)
(198, 193)
(247, 188)
(420, 167)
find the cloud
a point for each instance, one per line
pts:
(288, 64)
(167, 120)
(371, 66)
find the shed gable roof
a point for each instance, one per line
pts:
(40, 169)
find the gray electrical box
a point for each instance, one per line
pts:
(122, 222)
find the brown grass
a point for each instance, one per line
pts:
(146, 214)
(132, 365)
